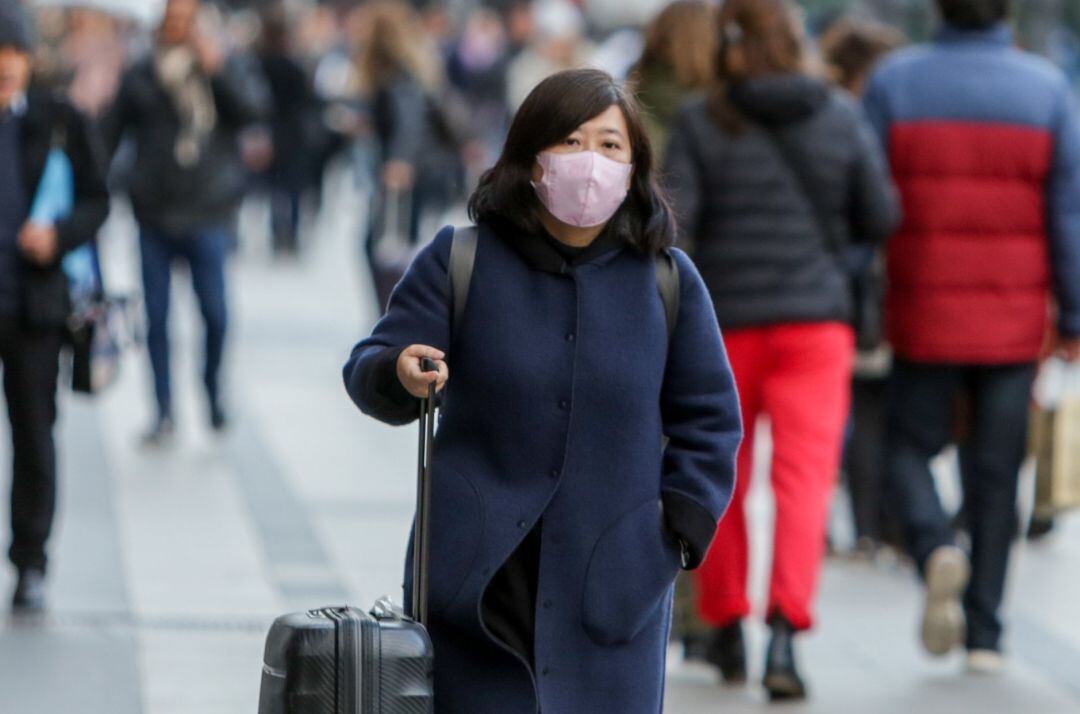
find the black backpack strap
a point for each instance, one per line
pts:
(462, 260)
(667, 281)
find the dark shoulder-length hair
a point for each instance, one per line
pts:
(555, 109)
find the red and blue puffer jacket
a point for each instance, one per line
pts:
(984, 145)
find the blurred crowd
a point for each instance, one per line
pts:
(791, 159)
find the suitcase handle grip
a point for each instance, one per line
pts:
(423, 499)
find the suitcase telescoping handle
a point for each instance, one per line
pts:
(421, 533)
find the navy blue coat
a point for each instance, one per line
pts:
(562, 380)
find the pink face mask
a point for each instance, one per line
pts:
(583, 188)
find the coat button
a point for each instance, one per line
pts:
(547, 604)
(522, 524)
(564, 404)
(545, 671)
(554, 473)
(569, 336)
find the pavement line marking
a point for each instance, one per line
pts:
(282, 521)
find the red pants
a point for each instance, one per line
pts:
(800, 375)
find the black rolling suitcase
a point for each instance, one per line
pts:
(340, 660)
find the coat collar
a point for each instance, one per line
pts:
(540, 254)
(999, 34)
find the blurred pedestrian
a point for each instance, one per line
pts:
(851, 49)
(297, 135)
(419, 167)
(773, 175)
(183, 107)
(678, 61)
(557, 526)
(984, 142)
(34, 300)
(557, 43)
(477, 67)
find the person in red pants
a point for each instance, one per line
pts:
(773, 176)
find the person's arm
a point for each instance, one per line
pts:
(91, 206)
(1064, 218)
(240, 91)
(700, 409)
(875, 207)
(683, 181)
(418, 314)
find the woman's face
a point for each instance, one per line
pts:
(606, 134)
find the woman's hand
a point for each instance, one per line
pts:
(413, 378)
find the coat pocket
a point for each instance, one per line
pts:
(632, 567)
(457, 524)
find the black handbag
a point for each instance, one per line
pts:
(97, 334)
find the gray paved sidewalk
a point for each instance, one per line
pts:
(168, 566)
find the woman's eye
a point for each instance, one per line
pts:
(612, 146)
(572, 142)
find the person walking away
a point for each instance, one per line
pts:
(678, 61)
(773, 174)
(851, 49)
(420, 169)
(558, 518)
(183, 107)
(984, 142)
(34, 299)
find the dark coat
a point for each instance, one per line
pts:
(410, 127)
(744, 216)
(562, 381)
(164, 195)
(51, 122)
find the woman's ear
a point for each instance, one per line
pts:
(537, 172)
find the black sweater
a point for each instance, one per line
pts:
(744, 217)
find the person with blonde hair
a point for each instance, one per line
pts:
(678, 60)
(419, 169)
(773, 175)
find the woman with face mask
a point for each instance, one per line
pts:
(559, 518)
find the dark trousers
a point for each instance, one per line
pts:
(205, 253)
(285, 220)
(31, 366)
(920, 425)
(863, 457)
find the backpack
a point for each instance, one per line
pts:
(463, 258)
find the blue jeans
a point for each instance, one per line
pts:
(922, 400)
(204, 252)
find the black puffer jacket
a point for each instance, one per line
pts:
(744, 216)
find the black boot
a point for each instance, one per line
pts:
(782, 678)
(219, 421)
(30, 591)
(727, 652)
(696, 646)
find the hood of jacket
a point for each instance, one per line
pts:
(779, 99)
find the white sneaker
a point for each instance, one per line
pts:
(985, 662)
(947, 573)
